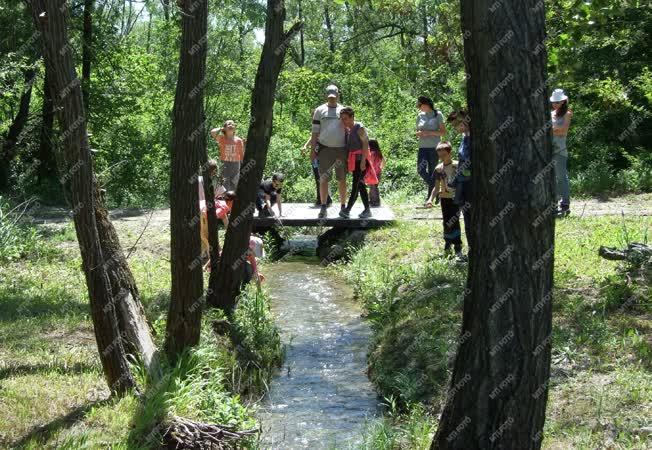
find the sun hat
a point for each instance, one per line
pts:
(332, 90)
(558, 96)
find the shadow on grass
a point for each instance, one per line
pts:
(44, 432)
(15, 303)
(31, 369)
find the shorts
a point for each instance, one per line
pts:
(332, 157)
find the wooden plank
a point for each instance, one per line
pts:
(305, 215)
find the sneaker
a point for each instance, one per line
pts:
(563, 211)
(344, 214)
(323, 212)
(460, 257)
(365, 214)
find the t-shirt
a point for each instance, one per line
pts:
(353, 141)
(429, 121)
(558, 142)
(326, 122)
(268, 188)
(230, 149)
(444, 174)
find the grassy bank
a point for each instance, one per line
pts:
(602, 354)
(53, 394)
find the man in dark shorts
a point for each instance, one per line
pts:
(329, 147)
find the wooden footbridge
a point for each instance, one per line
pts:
(306, 215)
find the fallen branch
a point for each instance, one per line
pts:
(183, 433)
(635, 253)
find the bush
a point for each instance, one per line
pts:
(17, 240)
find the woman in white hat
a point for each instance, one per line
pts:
(561, 118)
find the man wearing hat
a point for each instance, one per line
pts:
(329, 147)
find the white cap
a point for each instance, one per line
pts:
(558, 96)
(332, 91)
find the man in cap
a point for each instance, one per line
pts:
(329, 147)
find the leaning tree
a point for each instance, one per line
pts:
(50, 18)
(498, 392)
(224, 283)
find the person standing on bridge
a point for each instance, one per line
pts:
(329, 147)
(357, 146)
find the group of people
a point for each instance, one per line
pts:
(342, 145)
(449, 181)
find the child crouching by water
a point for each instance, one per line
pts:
(441, 193)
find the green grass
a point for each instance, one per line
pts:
(601, 328)
(53, 391)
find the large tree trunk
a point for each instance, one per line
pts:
(87, 51)
(17, 126)
(188, 146)
(224, 283)
(132, 322)
(498, 392)
(51, 21)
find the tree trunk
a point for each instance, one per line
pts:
(329, 28)
(498, 392)
(51, 21)
(87, 51)
(302, 46)
(47, 162)
(188, 146)
(132, 322)
(224, 283)
(17, 126)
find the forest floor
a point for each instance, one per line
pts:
(53, 393)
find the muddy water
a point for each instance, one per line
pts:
(322, 397)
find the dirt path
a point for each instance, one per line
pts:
(155, 224)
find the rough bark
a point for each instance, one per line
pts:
(188, 146)
(498, 392)
(17, 126)
(132, 323)
(50, 18)
(87, 51)
(224, 283)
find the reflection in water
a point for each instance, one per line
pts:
(322, 397)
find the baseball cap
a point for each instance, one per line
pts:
(332, 91)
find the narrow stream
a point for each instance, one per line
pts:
(321, 397)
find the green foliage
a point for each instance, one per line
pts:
(259, 350)
(17, 239)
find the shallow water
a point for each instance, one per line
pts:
(321, 397)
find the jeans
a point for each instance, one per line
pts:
(451, 218)
(561, 177)
(426, 162)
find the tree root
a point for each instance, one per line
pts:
(187, 434)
